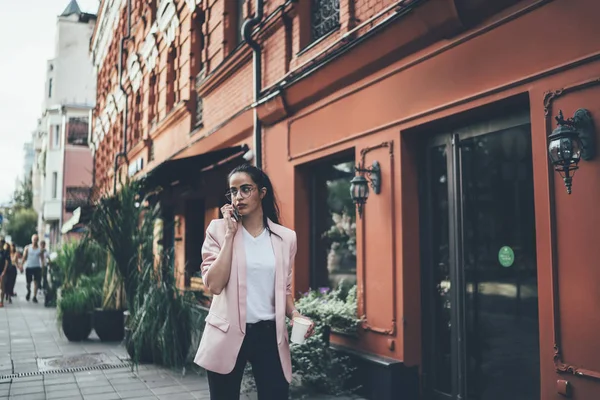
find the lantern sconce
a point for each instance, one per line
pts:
(572, 140)
(359, 185)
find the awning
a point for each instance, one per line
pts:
(81, 216)
(171, 172)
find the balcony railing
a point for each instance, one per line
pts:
(77, 196)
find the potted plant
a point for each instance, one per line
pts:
(75, 306)
(161, 325)
(315, 361)
(115, 227)
(71, 268)
(159, 328)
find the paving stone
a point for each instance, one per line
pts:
(123, 387)
(93, 383)
(104, 396)
(177, 396)
(37, 396)
(26, 390)
(61, 394)
(138, 393)
(61, 387)
(169, 390)
(97, 389)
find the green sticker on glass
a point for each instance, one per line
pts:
(506, 256)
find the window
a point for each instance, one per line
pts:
(56, 143)
(50, 88)
(151, 151)
(76, 196)
(136, 119)
(194, 234)
(333, 220)
(240, 20)
(234, 14)
(77, 131)
(197, 65)
(153, 84)
(325, 17)
(171, 78)
(54, 185)
(199, 111)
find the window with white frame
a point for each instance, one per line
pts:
(54, 185)
(56, 141)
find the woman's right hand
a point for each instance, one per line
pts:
(232, 224)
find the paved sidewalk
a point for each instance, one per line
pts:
(37, 362)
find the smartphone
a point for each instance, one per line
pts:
(236, 214)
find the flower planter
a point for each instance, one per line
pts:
(76, 327)
(109, 325)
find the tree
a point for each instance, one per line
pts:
(21, 225)
(23, 195)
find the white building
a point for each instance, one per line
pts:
(28, 160)
(64, 161)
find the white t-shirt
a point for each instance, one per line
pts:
(260, 277)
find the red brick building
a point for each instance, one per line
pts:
(476, 270)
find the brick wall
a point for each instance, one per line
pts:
(204, 39)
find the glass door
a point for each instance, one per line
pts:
(479, 271)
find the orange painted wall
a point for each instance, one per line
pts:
(523, 54)
(425, 67)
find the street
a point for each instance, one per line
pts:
(37, 362)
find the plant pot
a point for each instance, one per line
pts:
(76, 327)
(145, 356)
(109, 325)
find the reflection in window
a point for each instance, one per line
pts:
(77, 131)
(334, 225)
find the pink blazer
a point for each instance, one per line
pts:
(226, 321)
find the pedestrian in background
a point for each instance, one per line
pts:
(4, 262)
(11, 273)
(45, 264)
(32, 262)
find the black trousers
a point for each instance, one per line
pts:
(9, 280)
(260, 348)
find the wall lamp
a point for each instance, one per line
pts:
(572, 140)
(359, 185)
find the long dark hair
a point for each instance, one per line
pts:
(269, 202)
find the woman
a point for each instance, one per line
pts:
(247, 266)
(11, 273)
(4, 263)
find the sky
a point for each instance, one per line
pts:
(27, 31)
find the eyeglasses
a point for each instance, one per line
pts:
(245, 191)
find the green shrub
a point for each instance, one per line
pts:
(78, 258)
(161, 320)
(318, 367)
(81, 299)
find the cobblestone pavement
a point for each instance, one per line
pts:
(34, 356)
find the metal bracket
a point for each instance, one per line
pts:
(584, 123)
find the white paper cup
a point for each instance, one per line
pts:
(299, 329)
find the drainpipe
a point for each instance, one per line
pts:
(247, 28)
(123, 152)
(91, 143)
